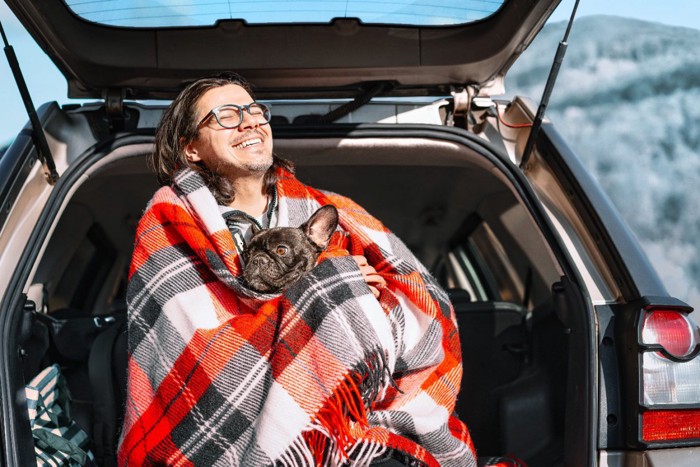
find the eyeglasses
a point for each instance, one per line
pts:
(231, 115)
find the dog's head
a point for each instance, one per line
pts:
(277, 257)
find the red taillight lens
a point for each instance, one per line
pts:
(670, 329)
(669, 404)
(670, 425)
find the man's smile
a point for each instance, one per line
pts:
(248, 142)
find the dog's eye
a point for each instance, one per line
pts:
(281, 250)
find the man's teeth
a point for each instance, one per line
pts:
(247, 143)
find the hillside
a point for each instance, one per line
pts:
(627, 102)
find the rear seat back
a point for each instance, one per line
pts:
(495, 350)
(107, 370)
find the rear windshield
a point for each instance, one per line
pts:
(169, 13)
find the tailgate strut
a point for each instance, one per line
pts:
(551, 79)
(37, 133)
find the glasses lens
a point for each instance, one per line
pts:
(229, 116)
(260, 112)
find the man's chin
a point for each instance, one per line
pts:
(257, 167)
(243, 168)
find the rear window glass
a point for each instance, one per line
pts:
(169, 13)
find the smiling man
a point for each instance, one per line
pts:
(357, 363)
(233, 142)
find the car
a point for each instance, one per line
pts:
(574, 352)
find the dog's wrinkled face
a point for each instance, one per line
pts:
(277, 257)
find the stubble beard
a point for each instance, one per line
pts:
(229, 169)
(258, 166)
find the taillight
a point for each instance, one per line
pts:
(672, 330)
(670, 377)
(667, 382)
(667, 425)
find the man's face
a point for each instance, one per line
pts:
(234, 152)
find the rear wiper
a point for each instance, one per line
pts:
(38, 136)
(551, 79)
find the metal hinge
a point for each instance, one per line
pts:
(114, 108)
(466, 102)
(462, 99)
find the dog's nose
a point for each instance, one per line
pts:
(258, 261)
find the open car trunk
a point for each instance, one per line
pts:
(451, 197)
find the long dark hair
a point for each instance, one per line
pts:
(178, 128)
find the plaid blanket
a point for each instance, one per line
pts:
(323, 374)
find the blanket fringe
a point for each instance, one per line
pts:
(330, 433)
(297, 455)
(330, 438)
(377, 376)
(363, 453)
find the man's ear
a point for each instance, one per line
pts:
(190, 150)
(321, 225)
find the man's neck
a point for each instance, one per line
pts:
(250, 195)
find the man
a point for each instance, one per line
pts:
(350, 366)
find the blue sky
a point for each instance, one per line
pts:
(46, 83)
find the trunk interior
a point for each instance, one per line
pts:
(450, 198)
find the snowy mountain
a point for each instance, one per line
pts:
(628, 102)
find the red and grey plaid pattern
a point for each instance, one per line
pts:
(324, 374)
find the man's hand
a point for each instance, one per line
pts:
(373, 279)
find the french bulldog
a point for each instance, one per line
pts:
(276, 258)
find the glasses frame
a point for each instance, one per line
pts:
(241, 108)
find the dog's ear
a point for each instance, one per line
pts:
(321, 225)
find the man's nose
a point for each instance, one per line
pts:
(247, 120)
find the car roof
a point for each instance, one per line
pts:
(340, 58)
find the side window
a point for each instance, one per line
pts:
(501, 256)
(75, 266)
(85, 272)
(495, 264)
(480, 264)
